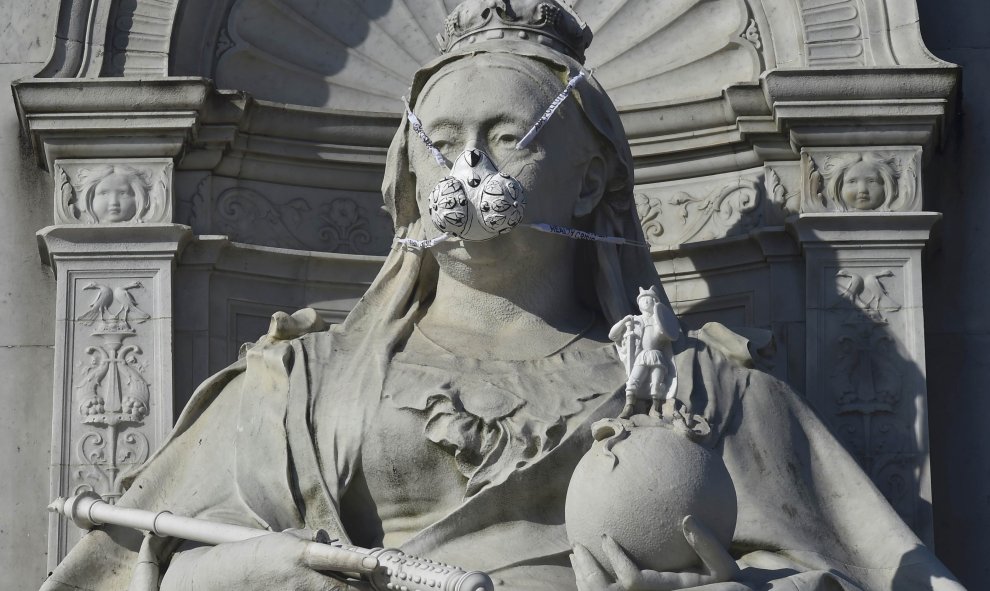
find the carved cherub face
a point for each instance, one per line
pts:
(114, 199)
(863, 186)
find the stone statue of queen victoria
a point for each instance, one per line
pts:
(446, 415)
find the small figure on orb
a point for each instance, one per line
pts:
(644, 344)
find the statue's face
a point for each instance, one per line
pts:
(114, 199)
(484, 102)
(862, 186)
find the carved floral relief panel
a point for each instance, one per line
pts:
(300, 218)
(112, 334)
(880, 179)
(111, 191)
(691, 211)
(872, 389)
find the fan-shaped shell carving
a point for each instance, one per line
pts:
(360, 55)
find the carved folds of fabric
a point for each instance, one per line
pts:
(499, 419)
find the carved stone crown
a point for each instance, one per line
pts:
(547, 22)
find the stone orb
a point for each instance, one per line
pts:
(637, 483)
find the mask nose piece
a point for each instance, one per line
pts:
(477, 201)
(473, 158)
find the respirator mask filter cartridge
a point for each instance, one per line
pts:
(476, 201)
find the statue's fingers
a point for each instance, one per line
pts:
(590, 575)
(323, 557)
(628, 575)
(716, 558)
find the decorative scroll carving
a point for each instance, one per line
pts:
(346, 231)
(833, 33)
(341, 225)
(112, 395)
(242, 212)
(192, 208)
(861, 181)
(113, 191)
(752, 34)
(784, 201)
(678, 217)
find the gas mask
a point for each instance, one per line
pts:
(477, 201)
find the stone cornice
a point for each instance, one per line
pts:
(111, 242)
(863, 229)
(861, 106)
(110, 117)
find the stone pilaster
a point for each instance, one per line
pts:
(113, 399)
(111, 146)
(866, 346)
(855, 201)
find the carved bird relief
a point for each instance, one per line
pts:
(129, 309)
(114, 304)
(101, 303)
(868, 293)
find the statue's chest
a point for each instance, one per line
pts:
(444, 429)
(410, 480)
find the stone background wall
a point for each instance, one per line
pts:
(957, 281)
(27, 304)
(957, 285)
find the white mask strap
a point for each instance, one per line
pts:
(421, 245)
(417, 126)
(582, 235)
(531, 134)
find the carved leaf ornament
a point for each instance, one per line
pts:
(113, 396)
(678, 217)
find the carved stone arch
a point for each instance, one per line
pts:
(845, 33)
(176, 37)
(366, 52)
(96, 38)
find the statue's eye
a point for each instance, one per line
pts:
(508, 138)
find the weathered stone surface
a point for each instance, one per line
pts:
(27, 298)
(716, 133)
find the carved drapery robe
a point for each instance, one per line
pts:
(275, 440)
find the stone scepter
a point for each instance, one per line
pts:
(383, 568)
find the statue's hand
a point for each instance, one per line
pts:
(718, 566)
(273, 561)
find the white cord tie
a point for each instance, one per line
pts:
(531, 134)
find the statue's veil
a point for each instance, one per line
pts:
(407, 280)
